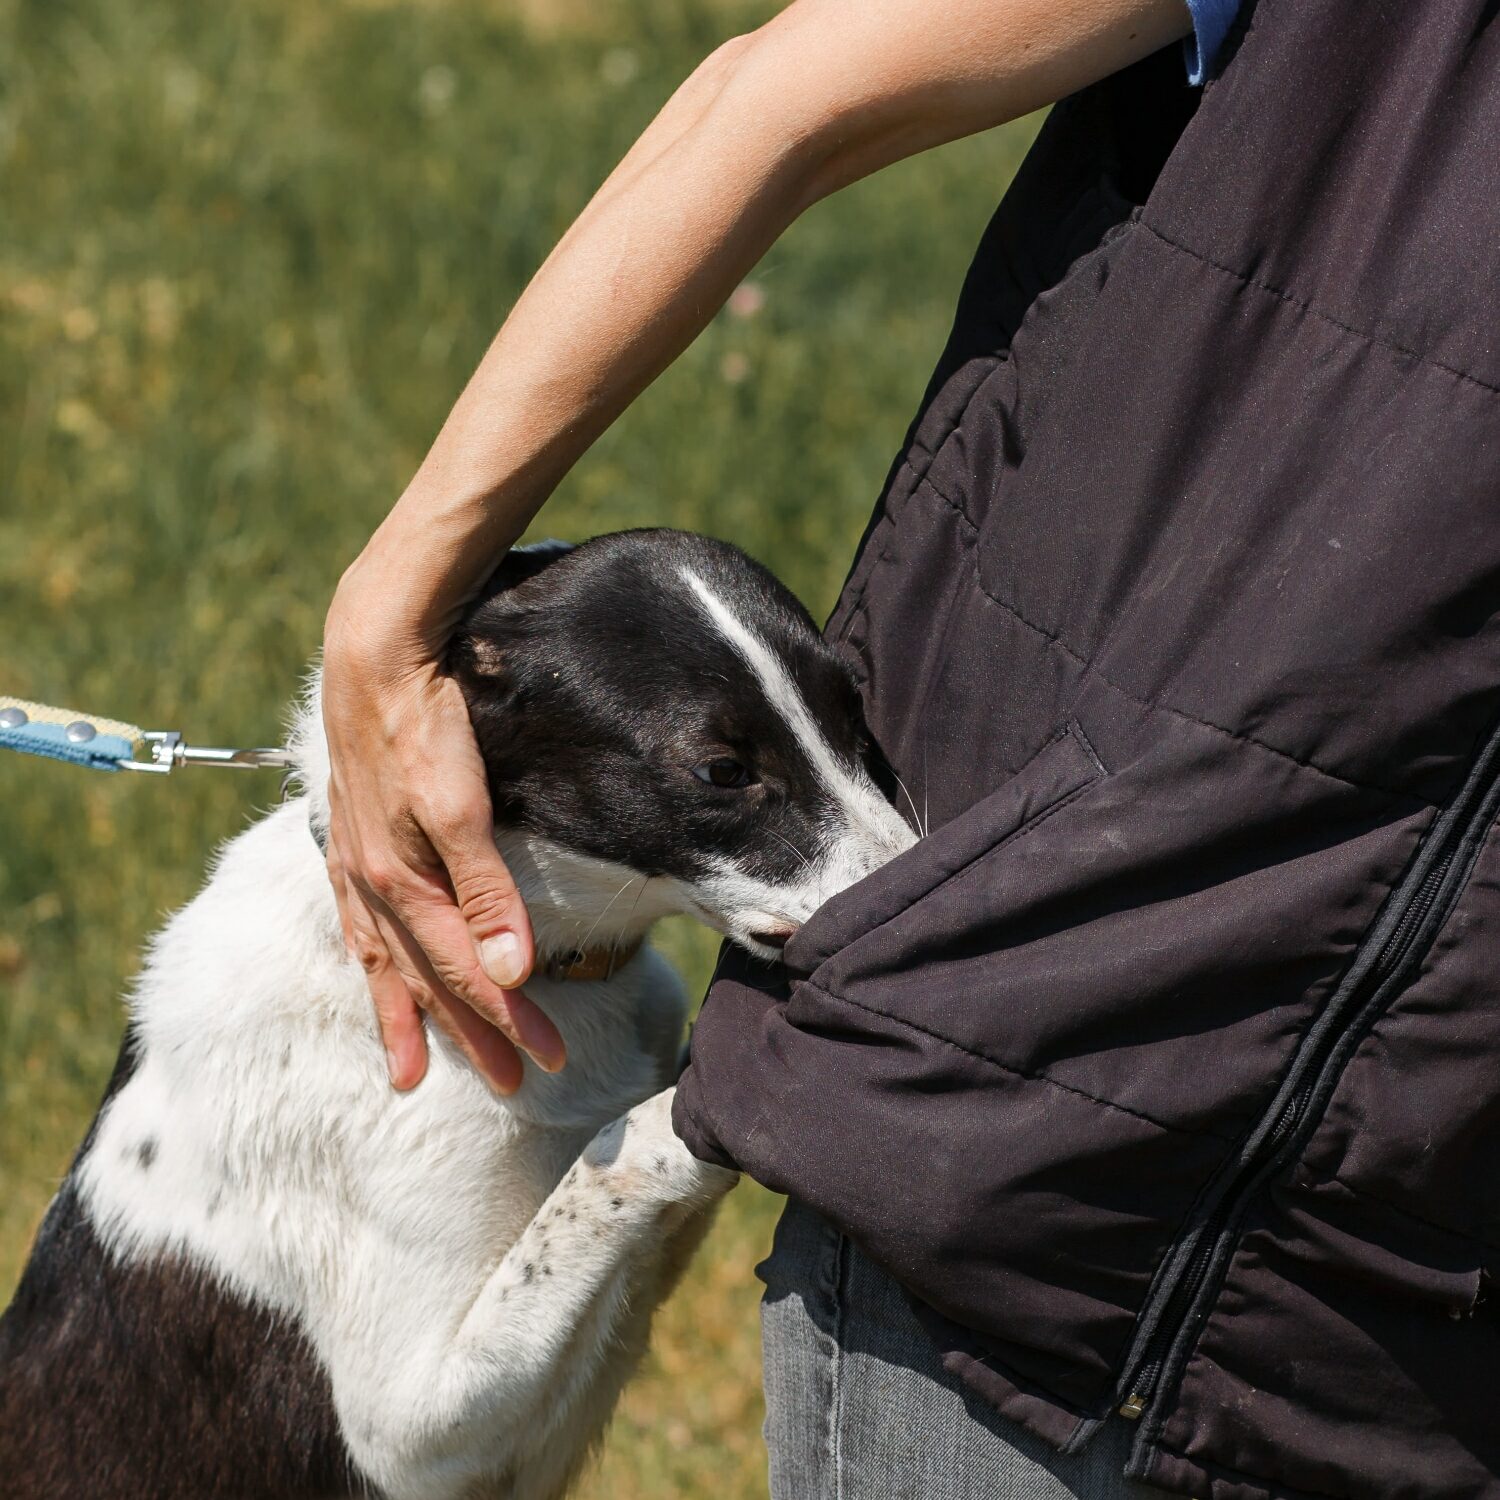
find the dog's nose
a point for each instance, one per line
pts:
(776, 937)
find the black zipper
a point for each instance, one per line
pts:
(1400, 937)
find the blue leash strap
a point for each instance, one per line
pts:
(113, 745)
(62, 734)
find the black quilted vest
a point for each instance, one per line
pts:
(1166, 1071)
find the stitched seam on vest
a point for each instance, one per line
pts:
(1157, 705)
(1306, 1176)
(994, 1062)
(1018, 832)
(992, 362)
(880, 557)
(1109, 229)
(1272, 1486)
(1282, 295)
(1014, 836)
(989, 363)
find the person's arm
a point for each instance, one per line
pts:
(826, 93)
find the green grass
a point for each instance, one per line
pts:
(248, 255)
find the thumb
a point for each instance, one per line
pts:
(501, 929)
(505, 956)
(492, 910)
(495, 913)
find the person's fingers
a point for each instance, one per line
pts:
(462, 835)
(489, 1050)
(492, 1053)
(340, 883)
(424, 935)
(440, 932)
(395, 1001)
(500, 928)
(481, 948)
(396, 1009)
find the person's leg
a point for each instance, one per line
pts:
(859, 1407)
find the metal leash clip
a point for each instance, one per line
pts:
(168, 750)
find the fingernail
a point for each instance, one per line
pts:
(550, 1061)
(393, 1068)
(538, 1038)
(503, 959)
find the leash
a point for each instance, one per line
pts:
(113, 745)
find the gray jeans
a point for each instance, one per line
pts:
(858, 1406)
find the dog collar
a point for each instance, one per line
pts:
(582, 963)
(590, 963)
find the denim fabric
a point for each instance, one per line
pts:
(1211, 22)
(858, 1406)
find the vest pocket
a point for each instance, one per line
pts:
(1059, 771)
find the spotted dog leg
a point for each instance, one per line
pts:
(533, 1371)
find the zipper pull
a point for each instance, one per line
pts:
(1134, 1406)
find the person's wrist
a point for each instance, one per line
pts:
(394, 607)
(427, 561)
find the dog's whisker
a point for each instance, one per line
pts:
(925, 781)
(807, 863)
(916, 816)
(614, 947)
(597, 920)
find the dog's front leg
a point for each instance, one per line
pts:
(528, 1380)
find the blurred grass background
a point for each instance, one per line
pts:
(248, 255)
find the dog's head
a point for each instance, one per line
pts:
(657, 705)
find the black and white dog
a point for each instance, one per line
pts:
(267, 1274)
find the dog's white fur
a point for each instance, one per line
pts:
(467, 1335)
(476, 1274)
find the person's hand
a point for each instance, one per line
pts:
(427, 905)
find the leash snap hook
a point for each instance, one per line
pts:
(168, 750)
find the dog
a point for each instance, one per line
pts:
(269, 1274)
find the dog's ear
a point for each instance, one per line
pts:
(479, 664)
(523, 563)
(475, 656)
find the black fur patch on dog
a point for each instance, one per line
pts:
(149, 1381)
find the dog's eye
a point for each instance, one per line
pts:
(724, 772)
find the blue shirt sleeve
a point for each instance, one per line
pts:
(1211, 22)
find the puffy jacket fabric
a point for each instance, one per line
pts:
(1166, 1071)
